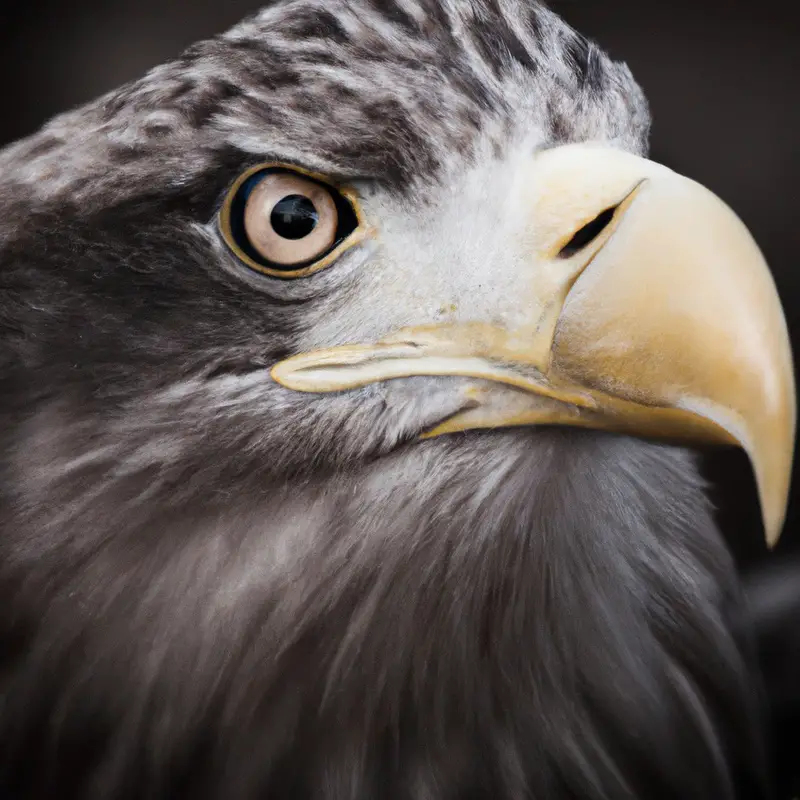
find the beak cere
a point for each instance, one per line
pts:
(664, 324)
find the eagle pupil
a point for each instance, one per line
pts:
(294, 217)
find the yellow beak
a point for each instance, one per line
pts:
(666, 324)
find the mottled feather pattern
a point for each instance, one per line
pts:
(214, 587)
(489, 66)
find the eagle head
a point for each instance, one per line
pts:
(349, 364)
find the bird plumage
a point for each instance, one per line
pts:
(216, 587)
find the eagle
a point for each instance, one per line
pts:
(354, 367)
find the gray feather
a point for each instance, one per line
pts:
(217, 588)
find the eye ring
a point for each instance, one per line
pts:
(349, 225)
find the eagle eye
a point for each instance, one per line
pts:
(284, 222)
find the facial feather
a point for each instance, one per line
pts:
(216, 587)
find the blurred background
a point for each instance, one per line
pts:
(721, 77)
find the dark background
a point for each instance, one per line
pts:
(721, 78)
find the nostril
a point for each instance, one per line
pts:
(588, 233)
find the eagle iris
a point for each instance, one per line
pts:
(284, 222)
